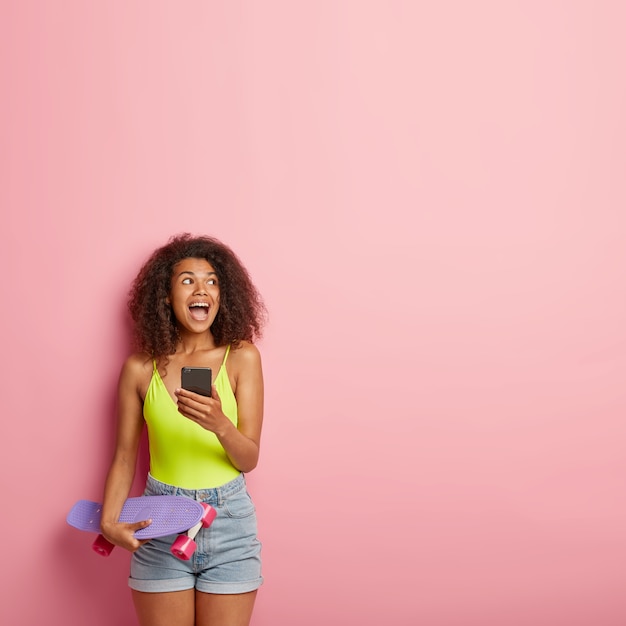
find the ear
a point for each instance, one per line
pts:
(167, 300)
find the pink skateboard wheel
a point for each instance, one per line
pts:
(208, 516)
(183, 547)
(102, 546)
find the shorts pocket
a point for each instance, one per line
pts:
(239, 505)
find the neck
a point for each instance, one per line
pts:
(191, 342)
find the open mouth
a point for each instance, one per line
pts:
(199, 311)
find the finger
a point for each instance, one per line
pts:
(187, 404)
(181, 393)
(136, 544)
(139, 525)
(193, 400)
(185, 393)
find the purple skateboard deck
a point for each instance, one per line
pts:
(169, 515)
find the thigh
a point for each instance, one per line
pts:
(175, 608)
(229, 551)
(214, 609)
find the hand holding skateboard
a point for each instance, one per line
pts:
(169, 514)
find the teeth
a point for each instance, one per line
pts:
(202, 304)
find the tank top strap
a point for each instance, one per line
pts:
(226, 355)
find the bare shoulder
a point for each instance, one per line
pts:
(246, 354)
(245, 358)
(246, 376)
(136, 371)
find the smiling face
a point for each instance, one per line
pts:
(194, 294)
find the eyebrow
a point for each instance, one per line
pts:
(193, 273)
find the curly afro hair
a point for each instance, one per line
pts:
(241, 313)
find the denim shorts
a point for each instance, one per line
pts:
(228, 556)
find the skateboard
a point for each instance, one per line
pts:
(169, 514)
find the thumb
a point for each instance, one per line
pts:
(139, 525)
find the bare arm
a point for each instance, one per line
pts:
(240, 443)
(122, 470)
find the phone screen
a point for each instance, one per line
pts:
(196, 379)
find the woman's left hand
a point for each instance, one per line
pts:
(204, 411)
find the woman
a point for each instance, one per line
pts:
(193, 304)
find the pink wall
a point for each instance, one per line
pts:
(431, 196)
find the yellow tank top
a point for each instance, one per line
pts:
(181, 452)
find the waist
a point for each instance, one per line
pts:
(214, 496)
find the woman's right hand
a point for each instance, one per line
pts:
(122, 534)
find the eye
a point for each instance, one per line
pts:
(212, 281)
(186, 281)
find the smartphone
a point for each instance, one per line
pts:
(196, 379)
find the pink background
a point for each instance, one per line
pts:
(431, 197)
